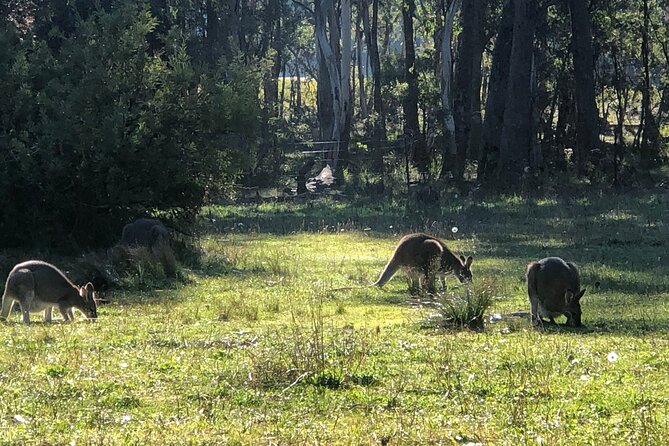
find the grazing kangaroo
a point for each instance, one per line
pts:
(40, 286)
(423, 257)
(151, 234)
(554, 288)
(146, 232)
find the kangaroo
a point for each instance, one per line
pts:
(145, 232)
(151, 234)
(554, 288)
(423, 257)
(39, 286)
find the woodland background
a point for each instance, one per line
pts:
(113, 109)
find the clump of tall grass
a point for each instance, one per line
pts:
(220, 257)
(465, 306)
(313, 352)
(139, 268)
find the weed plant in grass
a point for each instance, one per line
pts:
(465, 306)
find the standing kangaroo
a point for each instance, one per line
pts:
(39, 286)
(422, 257)
(554, 288)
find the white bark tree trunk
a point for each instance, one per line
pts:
(336, 55)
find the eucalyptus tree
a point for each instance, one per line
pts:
(333, 42)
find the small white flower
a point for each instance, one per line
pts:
(125, 419)
(612, 357)
(454, 229)
(585, 377)
(540, 439)
(20, 419)
(123, 365)
(495, 317)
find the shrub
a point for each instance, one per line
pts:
(98, 130)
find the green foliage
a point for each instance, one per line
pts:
(100, 131)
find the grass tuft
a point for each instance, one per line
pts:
(466, 306)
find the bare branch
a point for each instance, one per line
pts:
(303, 6)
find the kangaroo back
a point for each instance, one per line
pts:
(427, 255)
(407, 254)
(145, 232)
(554, 288)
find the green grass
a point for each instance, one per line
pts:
(256, 349)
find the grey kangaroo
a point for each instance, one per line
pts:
(554, 289)
(39, 286)
(423, 257)
(146, 232)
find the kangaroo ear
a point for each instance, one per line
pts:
(580, 294)
(568, 296)
(87, 291)
(462, 259)
(469, 261)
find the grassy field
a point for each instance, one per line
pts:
(256, 349)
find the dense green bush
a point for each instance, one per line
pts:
(96, 130)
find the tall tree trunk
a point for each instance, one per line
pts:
(448, 165)
(587, 128)
(421, 158)
(211, 40)
(372, 38)
(515, 142)
(467, 78)
(346, 104)
(497, 92)
(327, 73)
(334, 91)
(229, 27)
(361, 68)
(650, 132)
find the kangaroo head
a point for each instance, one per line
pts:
(89, 297)
(573, 307)
(464, 270)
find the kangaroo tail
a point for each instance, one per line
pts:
(387, 273)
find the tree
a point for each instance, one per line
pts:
(497, 93)
(516, 138)
(467, 83)
(450, 145)
(421, 157)
(100, 134)
(334, 90)
(587, 128)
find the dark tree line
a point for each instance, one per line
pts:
(112, 108)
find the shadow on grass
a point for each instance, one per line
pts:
(630, 327)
